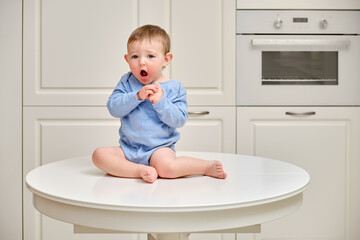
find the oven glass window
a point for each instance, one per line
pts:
(299, 68)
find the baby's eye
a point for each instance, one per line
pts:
(134, 56)
(151, 56)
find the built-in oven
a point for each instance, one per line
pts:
(299, 58)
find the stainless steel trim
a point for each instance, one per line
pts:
(302, 114)
(199, 113)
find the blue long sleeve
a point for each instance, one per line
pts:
(123, 99)
(173, 112)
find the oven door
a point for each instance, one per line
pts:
(298, 70)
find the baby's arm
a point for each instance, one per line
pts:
(173, 112)
(122, 101)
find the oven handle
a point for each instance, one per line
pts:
(340, 43)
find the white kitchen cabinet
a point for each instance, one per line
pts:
(73, 50)
(52, 134)
(326, 144)
(203, 43)
(304, 4)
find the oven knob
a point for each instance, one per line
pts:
(323, 23)
(277, 23)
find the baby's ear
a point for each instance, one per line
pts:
(168, 58)
(126, 58)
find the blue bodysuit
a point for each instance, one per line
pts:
(146, 127)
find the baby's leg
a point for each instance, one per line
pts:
(112, 160)
(170, 166)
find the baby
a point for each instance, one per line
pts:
(150, 107)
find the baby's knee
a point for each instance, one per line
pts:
(167, 171)
(97, 155)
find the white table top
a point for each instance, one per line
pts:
(76, 185)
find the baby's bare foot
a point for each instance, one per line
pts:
(215, 169)
(148, 174)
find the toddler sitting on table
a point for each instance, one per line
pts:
(150, 107)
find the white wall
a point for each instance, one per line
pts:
(10, 120)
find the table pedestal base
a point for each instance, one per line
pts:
(78, 229)
(168, 236)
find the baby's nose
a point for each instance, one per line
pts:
(142, 61)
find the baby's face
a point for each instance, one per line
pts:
(146, 60)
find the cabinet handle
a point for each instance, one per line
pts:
(303, 114)
(200, 113)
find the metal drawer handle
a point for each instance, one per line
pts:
(300, 114)
(200, 113)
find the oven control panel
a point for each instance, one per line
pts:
(297, 22)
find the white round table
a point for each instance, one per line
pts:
(257, 190)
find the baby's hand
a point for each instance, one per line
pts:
(157, 95)
(146, 91)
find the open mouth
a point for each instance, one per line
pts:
(143, 73)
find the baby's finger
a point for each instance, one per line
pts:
(153, 87)
(150, 92)
(157, 85)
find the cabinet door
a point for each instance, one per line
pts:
(323, 141)
(203, 43)
(73, 50)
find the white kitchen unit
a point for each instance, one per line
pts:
(325, 142)
(304, 4)
(78, 59)
(55, 133)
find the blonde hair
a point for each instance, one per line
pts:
(150, 32)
